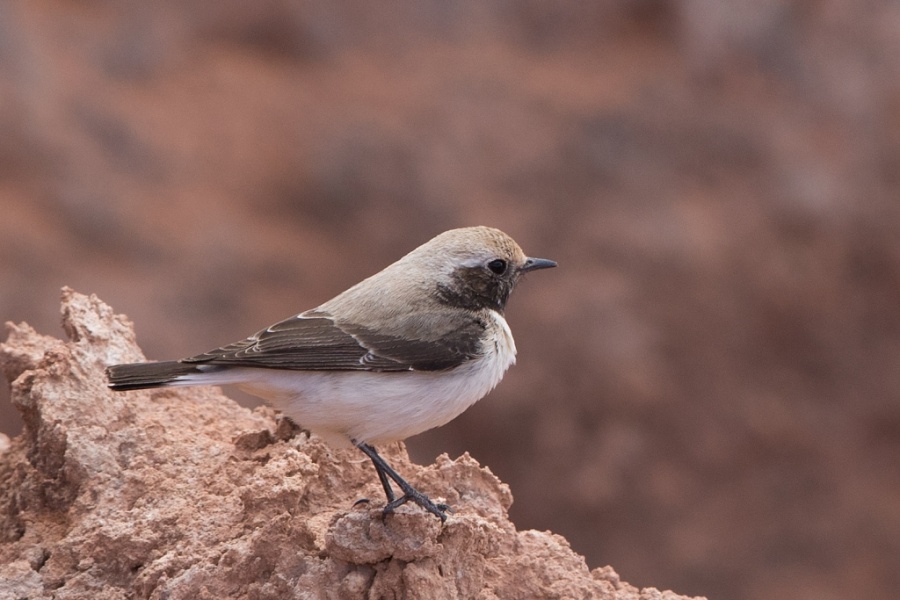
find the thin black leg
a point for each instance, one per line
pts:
(385, 482)
(385, 471)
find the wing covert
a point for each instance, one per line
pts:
(314, 341)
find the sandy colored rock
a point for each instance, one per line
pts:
(184, 494)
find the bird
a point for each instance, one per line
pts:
(403, 351)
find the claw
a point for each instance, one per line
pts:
(438, 510)
(385, 473)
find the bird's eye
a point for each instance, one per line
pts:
(498, 266)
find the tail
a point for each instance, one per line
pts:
(139, 376)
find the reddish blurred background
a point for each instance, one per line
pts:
(708, 388)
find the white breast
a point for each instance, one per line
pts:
(382, 407)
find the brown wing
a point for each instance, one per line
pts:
(313, 341)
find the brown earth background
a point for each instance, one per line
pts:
(708, 388)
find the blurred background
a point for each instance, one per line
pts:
(708, 388)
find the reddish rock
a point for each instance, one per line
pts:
(184, 494)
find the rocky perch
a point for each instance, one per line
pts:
(171, 494)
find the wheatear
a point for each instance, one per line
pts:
(403, 351)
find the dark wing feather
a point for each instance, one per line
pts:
(313, 341)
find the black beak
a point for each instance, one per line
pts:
(533, 264)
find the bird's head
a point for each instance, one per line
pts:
(475, 267)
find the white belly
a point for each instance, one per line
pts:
(379, 407)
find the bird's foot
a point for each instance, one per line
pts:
(411, 494)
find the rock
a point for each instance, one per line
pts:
(184, 494)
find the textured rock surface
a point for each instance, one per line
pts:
(184, 494)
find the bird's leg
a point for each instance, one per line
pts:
(409, 492)
(385, 482)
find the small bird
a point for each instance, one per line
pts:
(406, 350)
